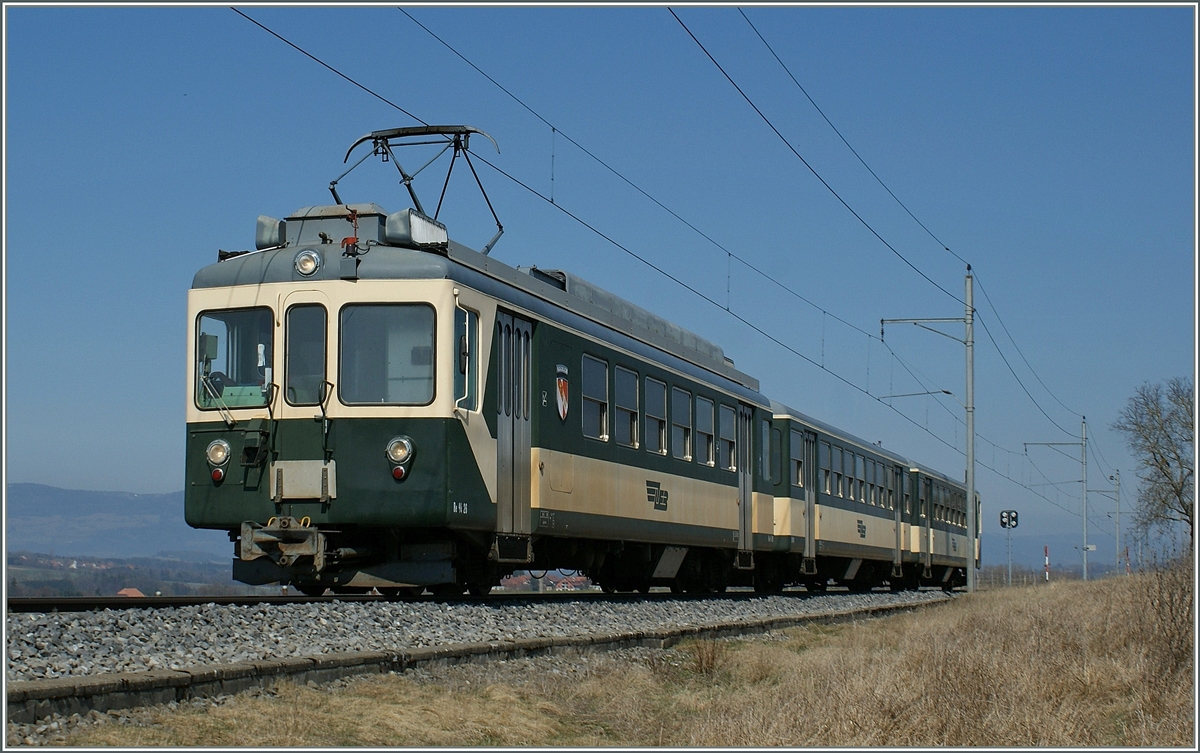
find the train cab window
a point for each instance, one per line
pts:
(656, 416)
(466, 368)
(233, 358)
(595, 398)
(823, 461)
(304, 350)
(625, 429)
(796, 453)
(706, 449)
(681, 423)
(728, 447)
(386, 354)
(837, 472)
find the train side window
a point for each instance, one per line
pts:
(860, 471)
(923, 498)
(796, 452)
(764, 449)
(626, 427)
(681, 423)
(728, 438)
(823, 462)
(304, 367)
(837, 472)
(848, 477)
(466, 368)
(595, 398)
(776, 454)
(705, 447)
(656, 416)
(906, 490)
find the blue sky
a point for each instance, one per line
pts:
(1052, 148)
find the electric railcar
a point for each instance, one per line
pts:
(373, 405)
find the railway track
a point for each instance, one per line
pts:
(426, 632)
(47, 604)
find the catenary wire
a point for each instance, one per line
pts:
(668, 275)
(329, 67)
(674, 214)
(923, 227)
(843, 138)
(793, 150)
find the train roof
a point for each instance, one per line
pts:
(779, 410)
(317, 228)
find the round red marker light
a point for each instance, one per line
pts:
(217, 474)
(398, 472)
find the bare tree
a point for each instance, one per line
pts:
(1159, 424)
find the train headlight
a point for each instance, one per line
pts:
(218, 452)
(308, 261)
(400, 450)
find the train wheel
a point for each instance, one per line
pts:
(816, 586)
(314, 589)
(478, 589)
(447, 589)
(350, 590)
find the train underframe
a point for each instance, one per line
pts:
(406, 562)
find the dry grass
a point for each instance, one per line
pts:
(1104, 663)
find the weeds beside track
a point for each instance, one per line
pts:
(1102, 663)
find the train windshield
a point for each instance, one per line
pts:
(386, 354)
(233, 358)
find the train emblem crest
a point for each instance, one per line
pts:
(562, 391)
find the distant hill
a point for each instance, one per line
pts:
(69, 522)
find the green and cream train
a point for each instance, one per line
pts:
(397, 411)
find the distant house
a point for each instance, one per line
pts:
(130, 592)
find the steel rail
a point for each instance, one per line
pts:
(31, 700)
(51, 604)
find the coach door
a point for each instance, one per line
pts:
(745, 464)
(895, 499)
(513, 375)
(810, 503)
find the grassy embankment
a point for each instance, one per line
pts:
(1103, 663)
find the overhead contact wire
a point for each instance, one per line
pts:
(325, 65)
(800, 157)
(662, 271)
(923, 227)
(844, 141)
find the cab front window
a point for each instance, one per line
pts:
(386, 354)
(233, 358)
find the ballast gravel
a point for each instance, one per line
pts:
(42, 646)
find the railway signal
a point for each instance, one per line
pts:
(1008, 521)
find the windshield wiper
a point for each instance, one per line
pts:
(221, 406)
